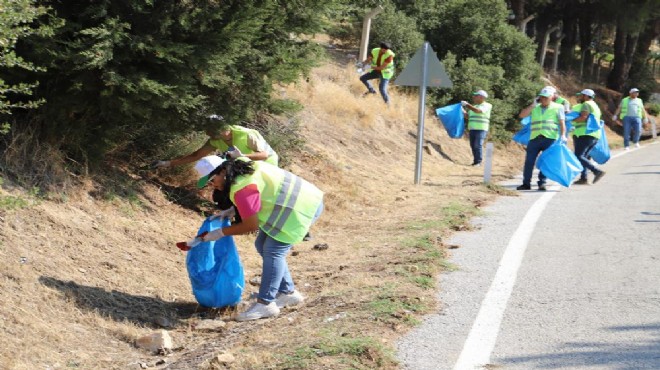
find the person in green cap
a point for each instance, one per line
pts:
(236, 141)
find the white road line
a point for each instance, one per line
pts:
(481, 340)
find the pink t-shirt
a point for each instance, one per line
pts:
(248, 201)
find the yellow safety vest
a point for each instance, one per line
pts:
(581, 127)
(288, 203)
(546, 122)
(480, 121)
(239, 139)
(624, 108)
(388, 72)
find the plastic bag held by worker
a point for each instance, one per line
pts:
(601, 151)
(215, 269)
(522, 136)
(559, 164)
(452, 118)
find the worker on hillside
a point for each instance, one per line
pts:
(382, 67)
(547, 126)
(282, 207)
(561, 100)
(631, 111)
(584, 142)
(478, 119)
(235, 141)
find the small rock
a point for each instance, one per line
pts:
(224, 358)
(155, 342)
(398, 199)
(321, 247)
(163, 322)
(412, 268)
(82, 270)
(295, 253)
(342, 267)
(210, 325)
(255, 281)
(143, 365)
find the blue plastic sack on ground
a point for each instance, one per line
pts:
(601, 152)
(215, 269)
(452, 118)
(522, 136)
(559, 164)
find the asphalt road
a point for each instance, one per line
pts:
(578, 289)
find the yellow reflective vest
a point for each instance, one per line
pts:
(480, 121)
(546, 122)
(637, 102)
(239, 138)
(581, 127)
(388, 72)
(288, 202)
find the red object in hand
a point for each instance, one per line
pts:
(183, 246)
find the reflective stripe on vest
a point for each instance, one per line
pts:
(239, 139)
(388, 72)
(288, 202)
(624, 107)
(480, 121)
(546, 122)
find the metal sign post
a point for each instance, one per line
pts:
(423, 70)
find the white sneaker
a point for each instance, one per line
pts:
(285, 300)
(259, 311)
(626, 148)
(636, 145)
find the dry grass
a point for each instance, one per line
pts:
(80, 281)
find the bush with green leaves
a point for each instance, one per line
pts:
(127, 76)
(481, 51)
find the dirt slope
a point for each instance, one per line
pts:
(80, 280)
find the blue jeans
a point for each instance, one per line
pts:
(275, 275)
(583, 146)
(534, 147)
(477, 138)
(634, 123)
(382, 86)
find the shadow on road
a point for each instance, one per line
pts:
(625, 355)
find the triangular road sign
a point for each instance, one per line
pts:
(435, 71)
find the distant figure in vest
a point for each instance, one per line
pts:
(282, 207)
(631, 111)
(477, 116)
(561, 100)
(584, 142)
(381, 60)
(547, 126)
(235, 141)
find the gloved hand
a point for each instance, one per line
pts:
(614, 118)
(161, 164)
(463, 103)
(227, 213)
(235, 153)
(646, 120)
(359, 65)
(213, 235)
(564, 139)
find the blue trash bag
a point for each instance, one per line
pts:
(570, 116)
(601, 152)
(215, 269)
(559, 164)
(593, 125)
(452, 118)
(522, 136)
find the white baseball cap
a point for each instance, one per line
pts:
(588, 92)
(205, 166)
(634, 89)
(481, 92)
(548, 91)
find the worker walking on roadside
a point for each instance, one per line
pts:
(584, 142)
(282, 207)
(236, 141)
(631, 111)
(477, 116)
(547, 126)
(381, 60)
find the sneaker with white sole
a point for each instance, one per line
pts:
(636, 145)
(259, 311)
(626, 148)
(286, 300)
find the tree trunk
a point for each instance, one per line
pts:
(639, 62)
(616, 78)
(567, 52)
(518, 8)
(586, 38)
